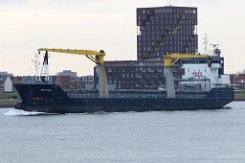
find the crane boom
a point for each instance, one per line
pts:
(171, 59)
(97, 57)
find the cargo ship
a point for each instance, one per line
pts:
(51, 98)
(201, 87)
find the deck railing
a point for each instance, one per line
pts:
(137, 94)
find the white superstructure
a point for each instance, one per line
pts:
(204, 76)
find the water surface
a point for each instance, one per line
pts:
(212, 136)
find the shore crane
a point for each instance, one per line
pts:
(96, 57)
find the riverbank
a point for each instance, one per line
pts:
(8, 99)
(240, 95)
(8, 103)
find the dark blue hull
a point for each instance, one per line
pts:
(52, 99)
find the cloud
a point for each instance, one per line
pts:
(7, 2)
(46, 3)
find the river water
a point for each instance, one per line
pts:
(213, 136)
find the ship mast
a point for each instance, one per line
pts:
(45, 68)
(205, 44)
(36, 63)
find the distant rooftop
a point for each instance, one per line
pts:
(67, 73)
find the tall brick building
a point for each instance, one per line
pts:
(166, 30)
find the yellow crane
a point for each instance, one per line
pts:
(169, 61)
(97, 57)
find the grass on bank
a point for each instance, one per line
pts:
(8, 99)
(240, 94)
(8, 96)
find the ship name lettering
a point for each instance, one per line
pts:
(46, 90)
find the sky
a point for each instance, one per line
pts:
(26, 25)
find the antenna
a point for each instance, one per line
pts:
(216, 50)
(205, 44)
(215, 45)
(36, 64)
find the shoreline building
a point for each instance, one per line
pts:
(161, 30)
(166, 30)
(6, 83)
(68, 80)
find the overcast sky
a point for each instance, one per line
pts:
(26, 25)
